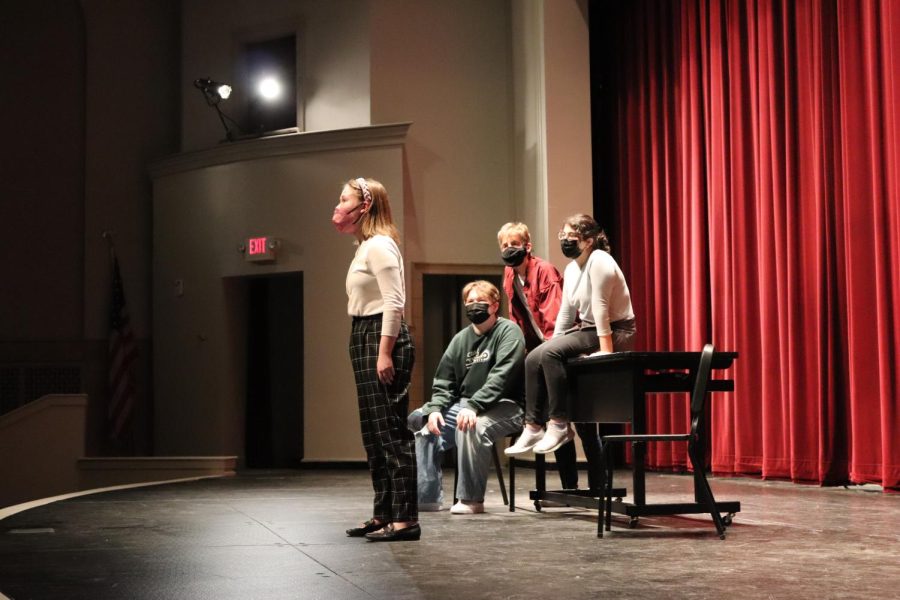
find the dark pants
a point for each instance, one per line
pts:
(547, 393)
(390, 447)
(567, 459)
(546, 386)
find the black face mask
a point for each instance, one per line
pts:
(478, 312)
(570, 248)
(514, 256)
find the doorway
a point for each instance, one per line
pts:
(273, 431)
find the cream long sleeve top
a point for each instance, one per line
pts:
(598, 292)
(375, 283)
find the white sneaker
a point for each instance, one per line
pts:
(467, 507)
(430, 507)
(525, 443)
(553, 439)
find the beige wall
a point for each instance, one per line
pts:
(530, 121)
(454, 69)
(131, 118)
(42, 172)
(470, 162)
(568, 115)
(128, 125)
(205, 205)
(89, 99)
(333, 59)
(445, 66)
(551, 75)
(34, 463)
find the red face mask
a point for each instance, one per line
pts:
(344, 220)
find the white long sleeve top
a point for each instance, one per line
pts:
(375, 283)
(597, 292)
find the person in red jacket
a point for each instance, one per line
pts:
(541, 287)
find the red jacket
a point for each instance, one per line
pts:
(543, 291)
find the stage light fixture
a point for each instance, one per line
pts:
(215, 92)
(269, 88)
(224, 91)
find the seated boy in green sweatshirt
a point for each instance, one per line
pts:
(476, 399)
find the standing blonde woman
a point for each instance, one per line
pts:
(382, 355)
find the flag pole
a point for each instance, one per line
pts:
(110, 243)
(122, 355)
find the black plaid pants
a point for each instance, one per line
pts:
(390, 446)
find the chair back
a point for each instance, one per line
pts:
(701, 383)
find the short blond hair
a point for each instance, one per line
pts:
(485, 288)
(514, 228)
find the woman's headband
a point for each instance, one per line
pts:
(367, 195)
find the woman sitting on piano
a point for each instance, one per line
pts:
(595, 290)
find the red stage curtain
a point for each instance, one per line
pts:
(758, 170)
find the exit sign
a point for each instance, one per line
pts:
(261, 249)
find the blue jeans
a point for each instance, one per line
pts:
(474, 451)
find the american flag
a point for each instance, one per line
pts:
(122, 354)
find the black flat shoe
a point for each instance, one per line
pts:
(367, 527)
(389, 534)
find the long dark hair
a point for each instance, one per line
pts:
(588, 229)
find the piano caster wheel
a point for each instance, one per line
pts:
(727, 519)
(632, 523)
(537, 505)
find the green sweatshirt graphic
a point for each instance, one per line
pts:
(478, 370)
